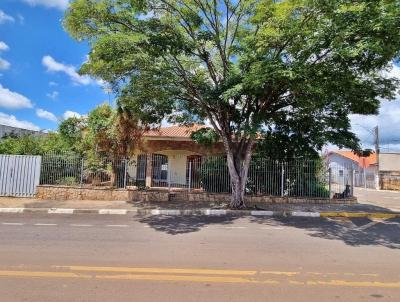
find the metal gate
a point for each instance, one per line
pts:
(19, 175)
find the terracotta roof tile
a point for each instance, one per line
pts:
(363, 161)
(174, 131)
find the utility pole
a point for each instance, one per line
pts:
(377, 151)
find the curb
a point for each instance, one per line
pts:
(206, 212)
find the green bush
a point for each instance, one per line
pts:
(300, 178)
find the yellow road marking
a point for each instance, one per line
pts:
(357, 215)
(158, 270)
(280, 273)
(181, 278)
(201, 276)
(42, 274)
(355, 283)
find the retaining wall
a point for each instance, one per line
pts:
(85, 193)
(82, 193)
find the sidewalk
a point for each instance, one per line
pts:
(20, 205)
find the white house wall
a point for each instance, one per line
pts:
(177, 161)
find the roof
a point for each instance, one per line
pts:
(174, 131)
(363, 161)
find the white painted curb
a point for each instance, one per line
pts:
(170, 212)
(215, 212)
(113, 212)
(305, 214)
(11, 210)
(262, 213)
(60, 211)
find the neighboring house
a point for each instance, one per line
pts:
(168, 156)
(9, 130)
(346, 163)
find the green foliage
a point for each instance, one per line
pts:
(110, 132)
(205, 136)
(33, 145)
(292, 69)
(61, 168)
(300, 178)
(68, 181)
(214, 175)
(71, 132)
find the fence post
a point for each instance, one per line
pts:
(82, 164)
(190, 175)
(365, 179)
(169, 176)
(353, 176)
(125, 171)
(330, 181)
(283, 179)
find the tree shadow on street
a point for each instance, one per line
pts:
(175, 225)
(354, 232)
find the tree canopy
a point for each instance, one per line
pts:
(105, 132)
(293, 69)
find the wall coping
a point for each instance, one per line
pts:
(84, 188)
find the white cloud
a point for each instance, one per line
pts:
(3, 46)
(11, 120)
(5, 18)
(60, 4)
(53, 95)
(54, 66)
(67, 114)
(388, 121)
(4, 65)
(395, 71)
(51, 83)
(46, 115)
(13, 100)
(21, 19)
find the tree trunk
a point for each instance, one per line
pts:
(238, 165)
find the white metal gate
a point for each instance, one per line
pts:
(19, 175)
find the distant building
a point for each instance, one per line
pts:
(365, 168)
(8, 130)
(389, 171)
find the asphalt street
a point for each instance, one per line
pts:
(381, 198)
(86, 257)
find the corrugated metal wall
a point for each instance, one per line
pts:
(19, 175)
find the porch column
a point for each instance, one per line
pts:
(149, 169)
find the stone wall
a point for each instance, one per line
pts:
(158, 196)
(85, 193)
(82, 193)
(389, 180)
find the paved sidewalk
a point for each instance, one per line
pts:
(24, 205)
(380, 198)
(14, 202)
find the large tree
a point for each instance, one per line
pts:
(248, 67)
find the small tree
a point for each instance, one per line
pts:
(248, 67)
(113, 134)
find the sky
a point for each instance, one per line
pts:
(40, 86)
(39, 83)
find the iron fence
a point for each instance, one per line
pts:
(189, 172)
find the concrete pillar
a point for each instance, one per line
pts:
(149, 169)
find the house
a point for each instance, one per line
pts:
(365, 168)
(169, 157)
(9, 130)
